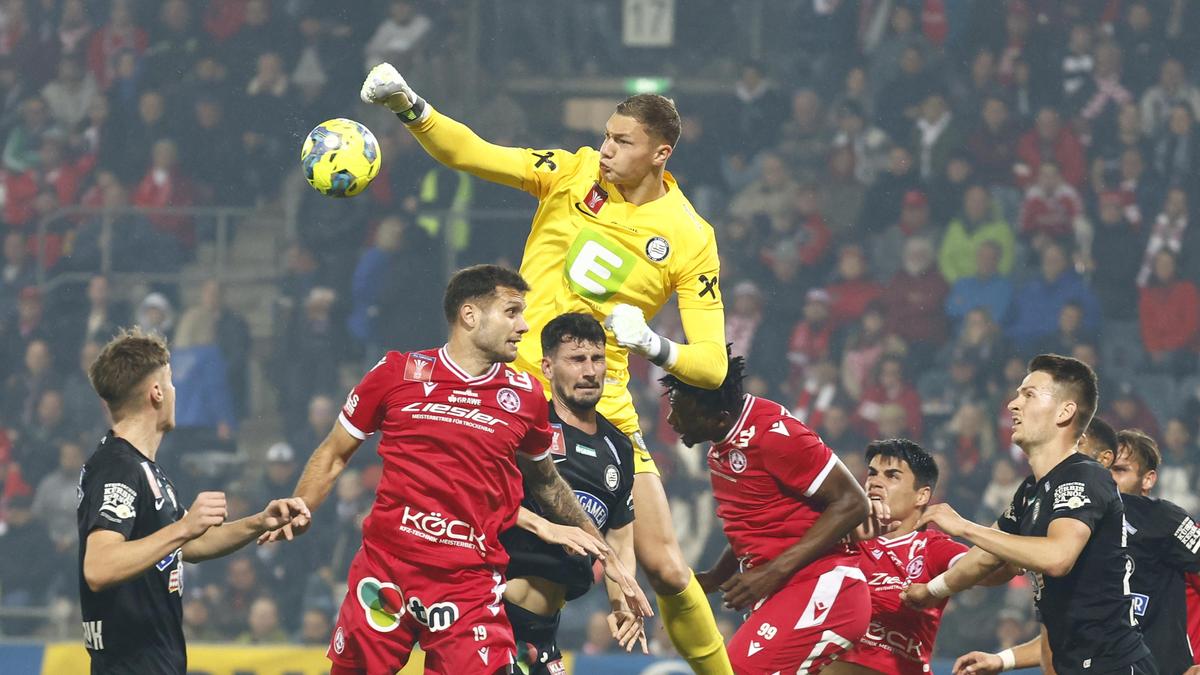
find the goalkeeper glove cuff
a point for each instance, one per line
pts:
(661, 351)
(417, 112)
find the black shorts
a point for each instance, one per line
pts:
(150, 660)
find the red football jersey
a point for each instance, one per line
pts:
(1193, 613)
(450, 481)
(764, 473)
(899, 639)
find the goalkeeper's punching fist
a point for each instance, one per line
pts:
(386, 86)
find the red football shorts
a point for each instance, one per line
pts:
(804, 625)
(457, 615)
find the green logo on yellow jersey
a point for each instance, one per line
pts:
(597, 266)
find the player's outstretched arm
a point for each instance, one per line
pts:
(229, 537)
(574, 540)
(1026, 655)
(559, 503)
(110, 559)
(844, 507)
(320, 472)
(972, 569)
(628, 628)
(450, 142)
(1054, 554)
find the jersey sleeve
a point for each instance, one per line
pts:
(701, 362)
(1084, 493)
(454, 144)
(539, 436)
(1010, 520)
(364, 409)
(942, 553)
(623, 514)
(112, 496)
(1181, 543)
(796, 456)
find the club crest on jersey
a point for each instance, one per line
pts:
(915, 567)
(558, 445)
(508, 399)
(595, 199)
(612, 478)
(657, 249)
(737, 461)
(419, 368)
(339, 641)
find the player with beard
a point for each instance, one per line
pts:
(1065, 526)
(1164, 545)
(596, 459)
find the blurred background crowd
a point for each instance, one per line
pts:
(911, 198)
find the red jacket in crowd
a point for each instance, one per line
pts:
(1170, 316)
(1066, 152)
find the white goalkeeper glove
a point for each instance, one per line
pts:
(628, 326)
(386, 86)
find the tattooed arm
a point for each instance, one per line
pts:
(559, 504)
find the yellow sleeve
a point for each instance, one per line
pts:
(454, 144)
(702, 362)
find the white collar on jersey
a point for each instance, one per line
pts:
(741, 420)
(898, 541)
(462, 374)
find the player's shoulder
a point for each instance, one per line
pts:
(1153, 509)
(113, 456)
(935, 538)
(1079, 468)
(523, 383)
(773, 421)
(688, 226)
(619, 438)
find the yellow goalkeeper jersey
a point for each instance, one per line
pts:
(589, 250)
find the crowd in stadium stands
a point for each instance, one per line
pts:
(911, 198)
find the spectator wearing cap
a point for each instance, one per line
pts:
(1127, 410)
(1115, 279)
(914, 222)
(1169, 313)
(979, 222)
(869, 143)
(1158, 101)
(1051, 210)
(913, 300)
(881, 205)
(1045, 295)
(935, 135)
(1049, 141)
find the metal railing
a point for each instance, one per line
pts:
(116, 225)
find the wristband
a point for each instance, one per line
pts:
(938, 587)
(1008, 660)
(414, 114)
(662, 352)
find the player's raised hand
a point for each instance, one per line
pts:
(634, 597)
(917, 596)
(628, 629)
(282, 512)
(978, 663)
(945, 517)
(207, 511)
(745, 589)
(877, 524)
(386, 86)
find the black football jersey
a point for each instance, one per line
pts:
(1164, 543)
(135, 626)
(599, 468)
(1088, 613)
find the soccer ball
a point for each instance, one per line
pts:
(340, 157)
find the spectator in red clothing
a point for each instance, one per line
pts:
(1169, 311)
(889, 388)
(852, 289)
(60, 173)
(120, 34)
(166, 185)
(1049, 141)
(800, 235)
(812, 337)
(1052, 210)
(914, 300)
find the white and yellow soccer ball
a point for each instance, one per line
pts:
(340, 157)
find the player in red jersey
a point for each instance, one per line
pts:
(899, 640)
(459, 430)
(786, 503)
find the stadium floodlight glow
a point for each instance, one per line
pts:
(647, 85)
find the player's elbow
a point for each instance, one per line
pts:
(714, 366)
(1060, 565)
(96, 575)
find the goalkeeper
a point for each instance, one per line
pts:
(613, 236)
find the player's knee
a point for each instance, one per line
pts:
(668, 574)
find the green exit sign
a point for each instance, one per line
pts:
(647, 85)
